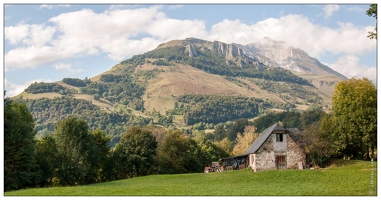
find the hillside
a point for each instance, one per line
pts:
(183, 82)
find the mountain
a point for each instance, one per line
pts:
(279, 54)
(186, 82)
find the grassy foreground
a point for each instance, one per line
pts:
(344, 178)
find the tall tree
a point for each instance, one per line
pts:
(19, 146)
(48, 159)
(179, 154)
(99, 155)
(321, 142)
(135, 153)
(209, 151)
(354, 111)
(244, 140)
(372, 12)
(238, 127)
(74, 145)
(225, 144)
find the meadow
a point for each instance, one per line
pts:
(343, 178)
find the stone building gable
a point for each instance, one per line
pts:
(295, 154)
(264, 158)
(272, 151)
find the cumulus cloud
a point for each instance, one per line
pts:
(30, 56)
(67, 68)
(349, 66)
(121, 32)
(330, 9)
(29, 34)
(85, 32)
(298, 31)
(15, 89)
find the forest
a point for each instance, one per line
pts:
(74, 154)
(49, 111)
(216, 108)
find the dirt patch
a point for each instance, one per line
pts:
(49, 95)
(102, 103)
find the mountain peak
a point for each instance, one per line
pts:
(280, 54)
(267, 41)
(266, 52)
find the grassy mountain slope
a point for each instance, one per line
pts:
(147, 87)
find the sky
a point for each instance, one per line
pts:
(49, 42)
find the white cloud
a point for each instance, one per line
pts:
(15, 89)
(298, 31)
(16, 34)
(330, 9)
(349, 66)
(30, 56)
(66, 68)
(121, 32)
(85, 32)
(29, 34)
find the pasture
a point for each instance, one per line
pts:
(343, 178)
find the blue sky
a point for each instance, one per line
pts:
(50, 42)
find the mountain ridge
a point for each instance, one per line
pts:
(182, 82)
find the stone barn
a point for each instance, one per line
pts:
(275, 148)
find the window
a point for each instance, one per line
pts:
(279, 137)
(280, 162)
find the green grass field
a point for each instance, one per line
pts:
(344, 178)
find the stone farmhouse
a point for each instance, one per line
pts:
(275, 148)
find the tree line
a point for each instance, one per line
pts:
(217, 108)
(74, 154)
(48, 112)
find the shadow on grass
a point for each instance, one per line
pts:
(342, 163)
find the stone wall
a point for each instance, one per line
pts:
(264, 158)
(295, 154)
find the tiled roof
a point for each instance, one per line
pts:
(263, 137)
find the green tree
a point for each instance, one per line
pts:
(225, 145)
(135, 153)
(179, 154)
(209, 151)
(97, 97)
(321, 142)
(372, 12)
(354, 111)
(219, 133)
(74, 145)
(99, 155)
(19, 146)
(48, 159)
(238, 127)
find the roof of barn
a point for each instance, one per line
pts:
(263, 137)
